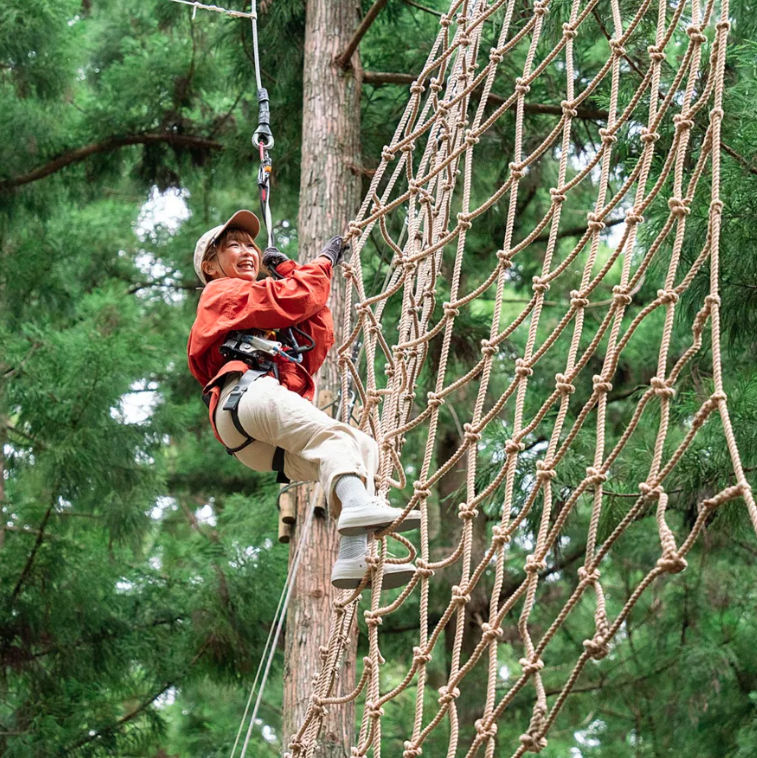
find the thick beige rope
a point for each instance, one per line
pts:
(424, 189)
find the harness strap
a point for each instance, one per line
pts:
(232, 405)
(278, 466)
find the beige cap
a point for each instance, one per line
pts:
(246, 220)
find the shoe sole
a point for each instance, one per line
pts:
(351, 530)
(391, 581)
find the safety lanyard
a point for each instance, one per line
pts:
(262, 137)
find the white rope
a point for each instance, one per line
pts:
(256, 55)
(217, 9)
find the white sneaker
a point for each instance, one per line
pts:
(349, 572)
(374, 516)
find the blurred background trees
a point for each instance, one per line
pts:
(139, 567)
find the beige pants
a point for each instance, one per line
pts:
(317, 447)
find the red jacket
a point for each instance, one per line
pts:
(227, 305)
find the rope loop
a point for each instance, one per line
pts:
(513, 448)
(459, 596)
(491, 632)
(723, 26)
(661, 387)
(539, 285)
(577, 300)
(531, 666)
(522, 369)
(608, 137)
(595, 476)
(712, 301)
(568, 31)
(568, 109)
(667, 297)
(601, 384)
(597, 648)
(447, 696)
(672, 562)
(678, 207)
(695, 34)
(544, 471)
(564, 387)
(486, 731)
(533, 566)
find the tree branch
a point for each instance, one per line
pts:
(343, 59)
(30, 560)
(423, 8)
(112, 143)
(388, 77)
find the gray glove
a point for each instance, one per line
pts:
(334, 250)
(273, 257)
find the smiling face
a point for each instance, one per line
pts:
(235, 255)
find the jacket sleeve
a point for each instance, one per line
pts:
(269, 303)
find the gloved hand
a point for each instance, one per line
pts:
(335, 249)
(273, 257)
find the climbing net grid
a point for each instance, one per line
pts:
(436, 142)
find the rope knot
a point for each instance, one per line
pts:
(695, 34)
(533, 566)
(533, 744)
(595, 476)
(445, 20)
(682, 122)
(723, 26)
(484, 730)
(434, 400)
(422, 569)
(420, 657)
(608, 137)
(568, 31)
(620, 295)
(521, 87)
(470, 138)
(435, 85)
(516, 171)
(632, 217)
(648, 136)
(450, 311)
(648, 492)
(495, 56)
(617, 48)
(408, 148)
(499, 536)
(540, 7)
(672, 563)
(601, 384)
(539, 285)
(459, 597)
(411, 750)
(490, 632)
(656, 54)
(595, 223)
(521, 369)
(446, 696)
(465, 513)
(661, 387)
(667, 297)
(716, 397)
(373, 711)
(569, 109)
(417, 88)
(488, 349)
(597, 648)
(463, 221)
(421, 490)
(557, 196)
(355, 229)
(505, 261)
(373, 619)
(717, 206)
(588, 577)
(678, 207)
(513, 448)
(712, 300)
(530, 666)
(577, 300)
(564, 387)
(544, 472)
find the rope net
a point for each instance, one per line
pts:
(422, 205)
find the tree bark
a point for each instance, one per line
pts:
(329, 198)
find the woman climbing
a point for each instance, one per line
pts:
(254, 348)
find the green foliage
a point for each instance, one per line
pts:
(138, 565)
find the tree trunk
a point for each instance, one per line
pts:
(329, 198)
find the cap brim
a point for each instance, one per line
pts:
(246, 220)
